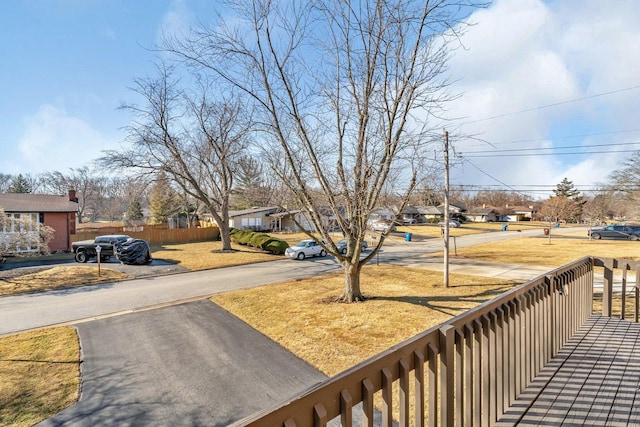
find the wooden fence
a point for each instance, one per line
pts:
(468, 370)
(154, 235)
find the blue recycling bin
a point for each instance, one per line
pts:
(504, 227)
(407, 237)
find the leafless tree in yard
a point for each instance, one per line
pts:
(191, 138)
(345, 92)
(81, 180)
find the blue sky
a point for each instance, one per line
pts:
(67, 64)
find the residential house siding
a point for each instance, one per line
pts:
(57, 212)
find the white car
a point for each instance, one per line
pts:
(452, 223)
(382, 226)
(304, 249)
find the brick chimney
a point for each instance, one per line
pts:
(72, 195)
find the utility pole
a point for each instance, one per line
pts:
(446, 209)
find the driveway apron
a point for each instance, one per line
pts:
(188, 364)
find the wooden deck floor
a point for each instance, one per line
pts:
(593, 381)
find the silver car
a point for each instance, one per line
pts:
(342, 246)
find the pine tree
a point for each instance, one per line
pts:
(566, 204)
(20, 185)
(566, 189)
(163, 201)
(134, 211)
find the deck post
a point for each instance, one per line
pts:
(607, 289)
(447, 370)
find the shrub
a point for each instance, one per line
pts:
(242, 236)
(276, 246)
(258, 239)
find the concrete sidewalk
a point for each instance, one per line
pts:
(459, 265)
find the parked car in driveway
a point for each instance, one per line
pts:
(452, 223)
(342, 246)
(628, 232)
(382, 225)
(86, 249)
(125, 248)
(304, 249)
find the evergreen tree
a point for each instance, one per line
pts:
(566, 205)
(164, 202)
(134, 211)
(566, 189)
(20, 184)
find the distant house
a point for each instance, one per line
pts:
(57, 212)
(411, 215)
(483, 214)
(298, 220)
(291, 221)
(380, 214)
(523, 213)
(431, 212)
(257, 219)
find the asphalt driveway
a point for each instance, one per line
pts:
(189, 364)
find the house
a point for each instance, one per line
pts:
(291, 221)
(57, 212)
(431, 212)
(523, 213)
(483, 214)
(257, 218)
(382, 214)
(411, 215)
(298, 220)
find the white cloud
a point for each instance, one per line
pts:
(176, 21)
(53, 140)
(526, 54)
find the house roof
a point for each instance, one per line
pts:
(27, 202)
(284, 214)
(429, 210)
(252, 210)
(482, 211)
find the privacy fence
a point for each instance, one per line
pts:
(154, 235)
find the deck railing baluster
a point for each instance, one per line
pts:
(471, 369)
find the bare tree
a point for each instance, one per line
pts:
(84, 180)
(192, 139)
(5, 182)
(343, 93)
(560, 208)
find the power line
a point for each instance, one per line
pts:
(519, 141)
(566, 147)
(554, 154)
(528, 110)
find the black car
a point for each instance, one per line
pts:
(627, 232)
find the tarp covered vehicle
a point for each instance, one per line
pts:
(133, 251)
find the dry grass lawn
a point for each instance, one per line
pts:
(333, 336)
(561, 249)
(57, 277)
(39, 375)
(206, 255)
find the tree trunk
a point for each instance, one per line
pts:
(225, 238)
(352, 283)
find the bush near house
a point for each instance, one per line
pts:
(258, 240)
